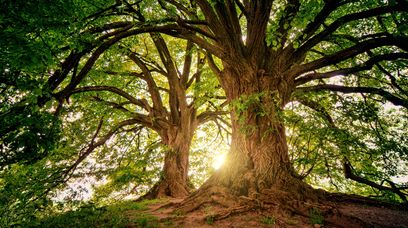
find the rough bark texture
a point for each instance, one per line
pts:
(257, 169)
(259, 155)
(174, 180)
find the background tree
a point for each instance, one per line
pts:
(158, 96)
(175, 125)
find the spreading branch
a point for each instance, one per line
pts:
(347, 168)
(349, 174)
(345, 89)
(373, 61)
(139, 102)
(300, 53)
(347, 53)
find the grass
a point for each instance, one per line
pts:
(291, 222)
(268, 220)
(116, 215)
(209, 219)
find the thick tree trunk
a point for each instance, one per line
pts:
(257, 167)
(174, 179)
(259, 158)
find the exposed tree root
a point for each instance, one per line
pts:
(223, 204)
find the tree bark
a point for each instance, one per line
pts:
(259, 158)
(257, 167)
(174, 179)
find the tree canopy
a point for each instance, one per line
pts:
(317, 93)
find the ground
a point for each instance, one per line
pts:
(346, 211)
(353, 214)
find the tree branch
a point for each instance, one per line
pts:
(345, 54)
(344, 89)
(347, 71)
(93, 145)
(348, 173)
(106, 45)
(292, 8)
(139, 102)
(302, 50)
(151, 84)
(209, 115)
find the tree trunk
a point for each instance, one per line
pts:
(174, 179)
(257, 167)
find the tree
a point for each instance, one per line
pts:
(173, 109)
(268, 53)
(158, 96)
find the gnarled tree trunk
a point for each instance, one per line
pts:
(258, 159)
(174, 179)
(257, 167)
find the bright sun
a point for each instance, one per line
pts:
(218, 160)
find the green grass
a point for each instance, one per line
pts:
(115, 215)
(268, 220)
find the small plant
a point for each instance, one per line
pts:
(269, 220)
(316, 216)
(209, 219)
(291, 222)
(178, 213)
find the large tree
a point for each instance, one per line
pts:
(159, 90)
(269, 53)
(156, 95)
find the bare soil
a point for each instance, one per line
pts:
(346, 213)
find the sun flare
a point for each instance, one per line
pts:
(218, 161)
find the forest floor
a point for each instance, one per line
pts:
(348, 214)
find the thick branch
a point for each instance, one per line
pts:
(177, 99)
(348, 173)
(259, 11)
(313, 26)
(347, 71)
(187, 63)
(151, 84)
(344, 89)
(300, 53)
(345, 54)
(139, 102)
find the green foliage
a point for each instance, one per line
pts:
(27, 135)
(245, 102)
(89, 215)
(36, 148)
(23, 191)
(371, 137)
(209, 219)
(268, 220)
(27, 132)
